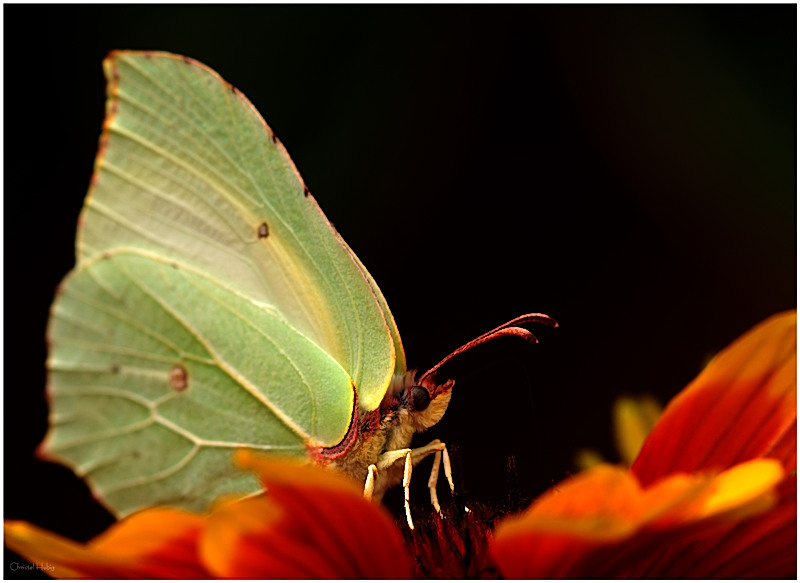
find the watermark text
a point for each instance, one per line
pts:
(42, 566)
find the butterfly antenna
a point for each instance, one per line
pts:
(510, 328)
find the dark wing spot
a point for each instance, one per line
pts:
(178, 378)
(305, 190)
(115, 368)
(274, 138)
(263, 231)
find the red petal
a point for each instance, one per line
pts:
(154, 543)
(760, 547)
(577, 528)
(602, 524)
(255, 539)
(311, 524)
(742, 406)
(785, 448)
(763, 547)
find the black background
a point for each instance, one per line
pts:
(628, 170)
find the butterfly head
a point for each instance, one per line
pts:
(426, 401)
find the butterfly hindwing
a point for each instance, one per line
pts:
(161, 373)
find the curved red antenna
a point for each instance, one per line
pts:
(510, 328)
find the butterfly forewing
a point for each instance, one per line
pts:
(189, 171)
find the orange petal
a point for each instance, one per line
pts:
(603, 523)
(568, 531)
(289, 472)
(311, 523)
(742, 406)
(160, 543)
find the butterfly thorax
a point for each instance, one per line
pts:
(408, 408)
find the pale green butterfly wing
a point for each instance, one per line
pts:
(400, 356)
(198, 225)
(161, 372)
(190, 171)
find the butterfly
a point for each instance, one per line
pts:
(213, 307)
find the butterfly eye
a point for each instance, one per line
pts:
(420, 398)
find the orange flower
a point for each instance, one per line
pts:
(313, 524)
(713, 492)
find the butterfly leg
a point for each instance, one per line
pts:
(369, 484)
(440, 457)
(433, 479)
(406, 484)
(412, 458)
(385, 461)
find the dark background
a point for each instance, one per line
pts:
(628, 170)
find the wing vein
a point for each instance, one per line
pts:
(222, 363)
